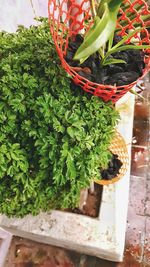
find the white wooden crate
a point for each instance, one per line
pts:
(104, 236)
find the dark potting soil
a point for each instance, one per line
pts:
(113, 168)
(114, 74)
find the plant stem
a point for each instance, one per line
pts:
(33, 8)
(137, 94)
(110, 41)
(101, 52)
(93, 8)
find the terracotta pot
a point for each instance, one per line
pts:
(66, 20)
(119, 147)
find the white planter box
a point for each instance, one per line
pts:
(5, 241)
(102, 237)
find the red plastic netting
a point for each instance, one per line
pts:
(68, 18)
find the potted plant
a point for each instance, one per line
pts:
(53, 140)
(113, 52)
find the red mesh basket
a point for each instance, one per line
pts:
(68, 18)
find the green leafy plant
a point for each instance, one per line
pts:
(100, 36)
(53, 140)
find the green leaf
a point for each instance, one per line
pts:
(125, 38)
(71, 170)
(71, 132)
(14, 156)
(112, 61)
(92, 43)
(10, 171)
(57, 125)
(120, 47)
(15, 146)
(3, 149)
(64, 151)
(23, 166)
(110, 41)
(100, 33)
(134, 47)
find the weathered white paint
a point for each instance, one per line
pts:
(6, 238)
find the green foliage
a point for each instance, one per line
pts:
(121, 46)
(102, 29)
(53, 139)
(100, 35)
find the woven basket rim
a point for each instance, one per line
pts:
(124, 159)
